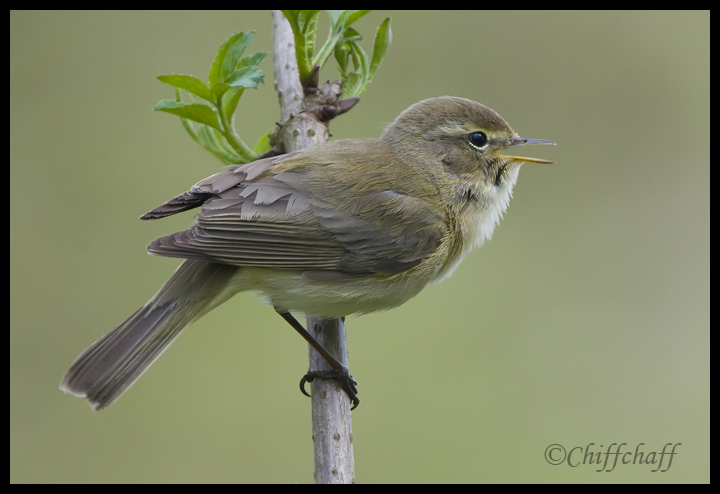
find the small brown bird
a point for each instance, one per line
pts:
(346, 227)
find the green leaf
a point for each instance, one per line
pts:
(232, 96)
(188, 83)
(211, 140)
(235, 51)
(207, 139)
(252, 60)
(195, 112)
(351, 34)
(342, 19)
(263, 144)
(307, 20)
(352, 84)
(228, 56)
(383, 38)
(342, 55)
(231, 99)
(339, 33)
(355, 82)
(360, 60)
(335, 16)
(304, 25)
(354, 15)
(220, 88)
(248, 77)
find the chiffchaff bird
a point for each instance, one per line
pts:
(346, 227)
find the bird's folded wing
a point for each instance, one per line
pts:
(253, 216)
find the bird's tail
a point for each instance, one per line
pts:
(103, 372)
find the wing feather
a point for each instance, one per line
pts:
(277, 213)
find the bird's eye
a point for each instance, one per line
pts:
(478, 139)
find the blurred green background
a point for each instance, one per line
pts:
(584, 320)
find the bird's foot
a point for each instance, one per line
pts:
(343, 378)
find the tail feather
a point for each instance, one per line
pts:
(103, 372)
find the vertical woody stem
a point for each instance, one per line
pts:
(331, 416)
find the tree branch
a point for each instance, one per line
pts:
(303, 126)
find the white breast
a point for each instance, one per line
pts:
(478, 224)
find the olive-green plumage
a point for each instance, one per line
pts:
(349, 226)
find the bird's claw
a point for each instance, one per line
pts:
(342, 376)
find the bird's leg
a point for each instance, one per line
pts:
(339, 372)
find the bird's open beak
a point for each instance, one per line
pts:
(519, 141)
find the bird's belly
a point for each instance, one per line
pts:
(290, 290)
